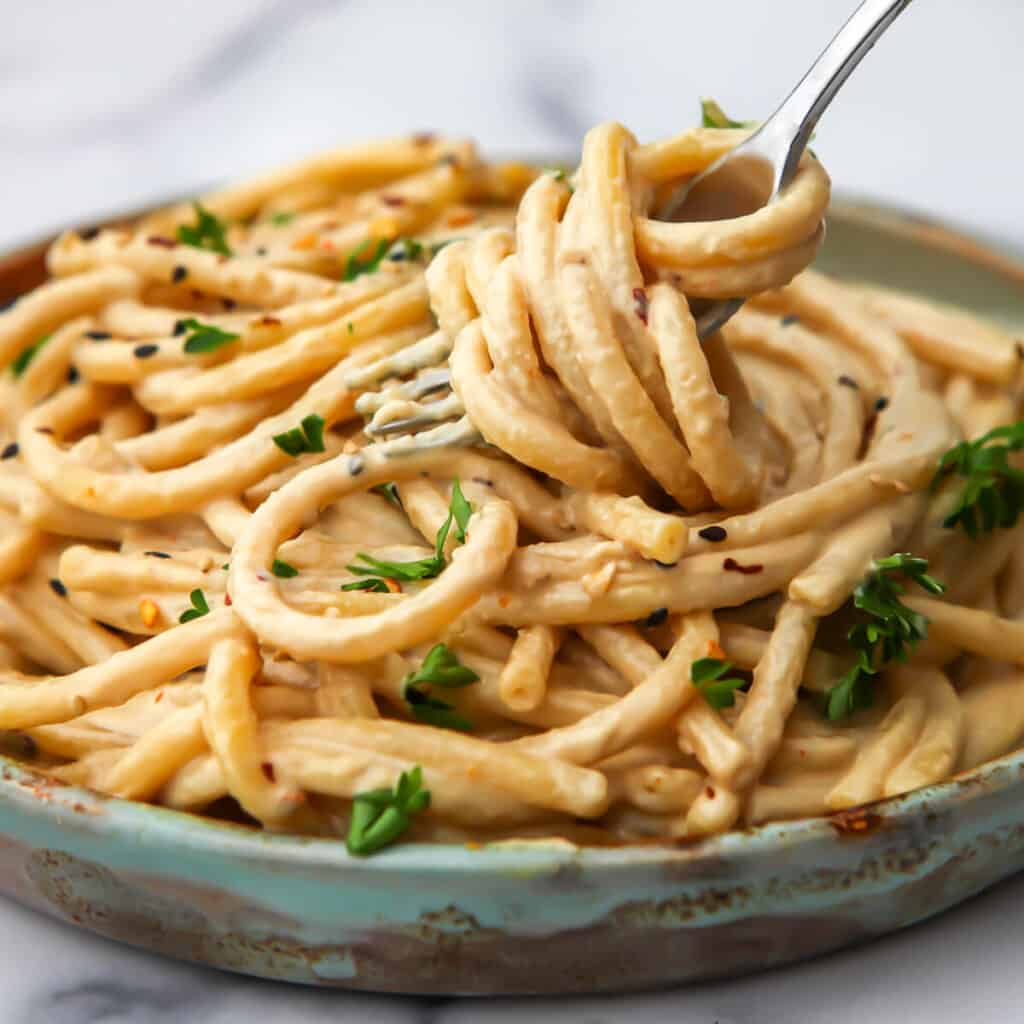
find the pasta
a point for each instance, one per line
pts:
(606, 591)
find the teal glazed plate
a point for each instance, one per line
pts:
(537, 917)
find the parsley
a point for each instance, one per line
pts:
(706, 674)
(560, 174)
(380, 816)
(993, 493)
(370, 584)
(208, 232)
(25, 357)
(307, 437)
(441, 668)
(389, 491)
(406, 249)
(713, 116)
(281, 218)
(356, 265)
(199, 607)
(203, 337)
(282, 570)
(459, 512)
(891, 630)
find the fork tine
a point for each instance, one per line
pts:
(422, 354)
(435, 412)
(459, 434)
(425, 384)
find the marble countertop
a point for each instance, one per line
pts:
(104, 106)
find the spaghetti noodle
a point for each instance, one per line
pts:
(614, 617)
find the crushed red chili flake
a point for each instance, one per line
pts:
(709, 792)
(848, 382)
(393, 200)
(268, 321)
(268, 770)
(856, 821)
(44, 430)
(159, 697)
(640, 297)
(731, 565)
(228, 304)
(227, 600)
(163, 241)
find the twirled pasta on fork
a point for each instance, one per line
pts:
(635, 584)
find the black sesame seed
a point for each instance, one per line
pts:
(157, 554)
(356, 465)
(73, 375)
(10, 451)
(656, 618)
(789, 320)
(58, 588)
(98, 335)
(145, 351)
(179, 328)
(261, 250)
(179, 274)
(881, 404)
(229, 303)
(88, 234)
(848, 382)
(713, 534)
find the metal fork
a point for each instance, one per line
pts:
(776, 146)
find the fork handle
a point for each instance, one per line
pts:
(791, 126)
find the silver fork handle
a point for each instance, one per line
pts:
(785, 135)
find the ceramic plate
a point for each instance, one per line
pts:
(538, 917)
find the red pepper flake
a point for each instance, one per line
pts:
(159, 697)
(856, 821)
(44, 430)
(227, 600)
(848, 382)
(393, 200)
(268, 770)
(268, 321)
(163, 241)
(640, 297)
(229, 304)
(423, 138)
(709, 792)
(731, 565)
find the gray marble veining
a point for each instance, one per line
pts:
(107, 105)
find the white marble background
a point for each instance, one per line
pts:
(109, 103)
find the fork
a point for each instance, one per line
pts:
(776, 146)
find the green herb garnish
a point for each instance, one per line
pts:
(380, 816)
(307, 437)
(369, 584)
(993, 491)
(406, 249)
(204, 337)
(459, 511)
(713, 116)
(389, 491)
(707, 675)
(282, 570)
(441, 668)
(209, 232)
(281, 218)
(891, 630)
(25, 357)
(356, 265)
(199, 607)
